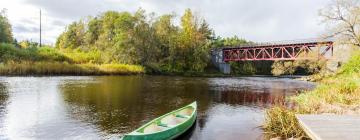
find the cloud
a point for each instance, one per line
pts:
(75, 9)
(21, 28)
(255, 20)
(58, 23)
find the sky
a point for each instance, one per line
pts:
(255, 20)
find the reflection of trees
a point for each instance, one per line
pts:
(249, 97)
(4, 95)
(119, 104)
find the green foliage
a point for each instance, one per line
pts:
(193, 51)
(5, 28)
(299, 66)
(73, 37)
(353, 65)
(234, 41)
(244, 68)
(50, 61)
(122, 37)
(10, 52)
(282, 67)
(50, 54)
(27, 44)
(79, 57)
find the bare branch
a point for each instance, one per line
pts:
(343, 16)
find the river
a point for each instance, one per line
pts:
(106, 107)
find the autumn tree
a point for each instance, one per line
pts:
(193, 51)
(141, 38)
(5, 28)
(343, 17)
(73, 37)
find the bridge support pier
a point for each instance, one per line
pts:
(217, 60)
(225, 67)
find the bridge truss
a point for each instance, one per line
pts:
(279, 51)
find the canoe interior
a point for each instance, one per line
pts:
(168, 121)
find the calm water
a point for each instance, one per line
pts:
(106, 107)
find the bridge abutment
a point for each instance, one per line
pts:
(225, 68)
(218, 61)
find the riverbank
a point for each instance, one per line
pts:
(51, 61)
(64, 68)
(336, 94)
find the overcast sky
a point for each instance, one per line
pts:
(256, 20)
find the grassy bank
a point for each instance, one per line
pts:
(64, 68)
(50, 61)
(338, 94)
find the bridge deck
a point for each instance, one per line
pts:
(330, 127)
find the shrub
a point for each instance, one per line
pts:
(8, 52)
(84, 57)
(282, 122)
(352, 66)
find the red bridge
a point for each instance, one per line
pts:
(289, 50)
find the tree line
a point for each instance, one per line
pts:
(157, 43)
(5, 28)
(144, 39)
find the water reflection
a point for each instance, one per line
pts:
(3, 103)
(248, 98)
(109, 106)
(223, 121)
(120, 104)
(35, 110)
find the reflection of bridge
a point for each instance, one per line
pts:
(284, 50)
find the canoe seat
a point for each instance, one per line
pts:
(172, 120)
(163, 125)
(186, 111)
(152, 128)
(181, 116)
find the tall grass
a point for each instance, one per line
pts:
(281, 122)
(338, 94)
(80, 57)
(9, 52)
(50, 61)
(64, 68)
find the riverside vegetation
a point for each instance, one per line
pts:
(112, 43)
(338, 93)
(116, 43)
(125, 43)
(49, 61)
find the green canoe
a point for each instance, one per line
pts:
(168, 126)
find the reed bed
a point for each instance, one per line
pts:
(64, 68)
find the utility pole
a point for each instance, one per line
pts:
(40, 27)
